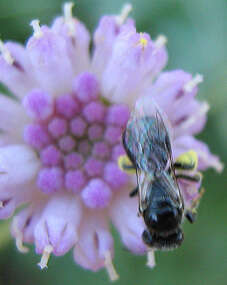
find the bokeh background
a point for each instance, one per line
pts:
(197, 42)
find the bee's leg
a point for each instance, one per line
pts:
(194, 178)
(134, 192)
(191, 216)
(126, 165)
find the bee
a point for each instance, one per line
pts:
(146, 140)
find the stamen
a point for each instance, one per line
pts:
(110, 267)
(188, 87)
(120, 19)
(6, 54)
(150, 258)
(191, 120)
(160, 41)
(19, 238)
(37, 30)
(68, 17)
(45, 257)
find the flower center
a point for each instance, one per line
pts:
(78, 140)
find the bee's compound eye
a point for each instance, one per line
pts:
(147, 238)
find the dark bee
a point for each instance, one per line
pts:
(147, 144)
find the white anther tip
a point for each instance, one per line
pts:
(188, 87)
(67, 9)
(5, 53)
(45, 256)
(110, 267)
(150, 259)
(36, 28)
(126, 9)
(20, 246)
(160, 41)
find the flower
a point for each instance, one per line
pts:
(60, 135)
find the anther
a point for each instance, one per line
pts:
(120, 19)
(45, 256)
(160, 41)
(110, 267)
(19, 237)
(143, 41)
(150, 258)
(36, 28)
(68, 17)
(5, 53)
(188, 87)
(191, 120)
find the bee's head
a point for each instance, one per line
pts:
(162, 216)
(171, 241)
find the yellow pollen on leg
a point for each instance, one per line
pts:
(150, 258)
(125, 164)
(188, 158)
(36, 28)
(45, 256)
(160, 41)
(5, 53)
(19, 237)
(188, 87)
(120, 19)
(110, 267)
(68, 17)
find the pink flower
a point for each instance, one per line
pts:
(61, 137)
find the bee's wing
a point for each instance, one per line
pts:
(147, 137)
(144, 182)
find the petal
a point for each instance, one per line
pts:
(94, 241)
(169, 87)
(50, 60)
(123, 213)
(12, 116)
(187, 115)
(18, 165)
(24, 223)
(58, 224)
(206, 159)
(14, 196)
(77, 40)
(17, 76)
(104, 39)
(135, 60)
(190, 117)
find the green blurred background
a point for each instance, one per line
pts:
(197, 42)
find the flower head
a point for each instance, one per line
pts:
(61, 137)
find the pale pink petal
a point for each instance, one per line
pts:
(123, 213)
(77, 40)
(49, 58)
(95, 241)
(12, 117)
(18, 165)
(17, 75)
(58, 224)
